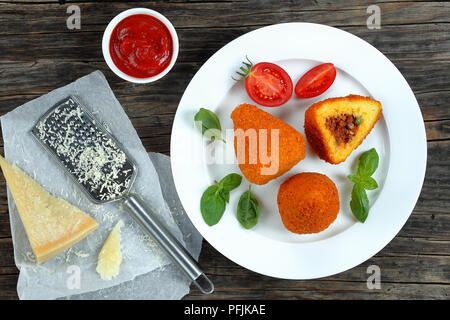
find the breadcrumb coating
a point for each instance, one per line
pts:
(283, 155)
(308, 202)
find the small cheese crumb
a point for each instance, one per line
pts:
(110, 257)
(147, 240)
(68, 253)
(81, 254)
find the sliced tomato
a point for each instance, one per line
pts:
(316, 81)
(268, 84)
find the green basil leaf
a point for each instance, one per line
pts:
(209, 124)
(354, 178)
(370, 183)
(368, 163)
(215, 198)
(212, 206)
(248, 210)
(359, 203)
(207, 119)
(224, 194)
(230, 182)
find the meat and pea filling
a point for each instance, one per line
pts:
(343, 127)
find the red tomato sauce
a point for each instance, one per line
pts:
(141, 46)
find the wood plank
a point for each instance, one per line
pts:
(213, 14)
(434, 104)
(403, 244)
(436, 188)
(6, 252)
(237, 287)
(438, 130)
(8, 286)
(231, 287)
(397, 42)
(427, 225)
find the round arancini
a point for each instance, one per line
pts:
(308, 202)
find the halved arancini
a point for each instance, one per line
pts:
(335, 127)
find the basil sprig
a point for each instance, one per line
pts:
(367, 165)
(248, 210)
(215, 198)
(209, 124)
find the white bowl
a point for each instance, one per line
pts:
(107, 37)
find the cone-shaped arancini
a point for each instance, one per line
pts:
(265, 146)
(335, 127)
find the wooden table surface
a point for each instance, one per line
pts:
(38, 53)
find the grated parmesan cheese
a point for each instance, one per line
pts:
(89, 153)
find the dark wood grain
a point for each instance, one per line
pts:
(38, 54)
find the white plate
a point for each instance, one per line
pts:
(399, 137)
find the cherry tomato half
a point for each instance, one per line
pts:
(316, 81)
(268, 84)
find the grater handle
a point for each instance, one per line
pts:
(166, 241)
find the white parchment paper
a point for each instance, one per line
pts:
(141, 256)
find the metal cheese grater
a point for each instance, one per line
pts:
(105, 173)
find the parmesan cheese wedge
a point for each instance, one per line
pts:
(51, 224)
(110, 257)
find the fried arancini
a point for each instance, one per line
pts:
(335, 127)
(308, 202)
(254, 132)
